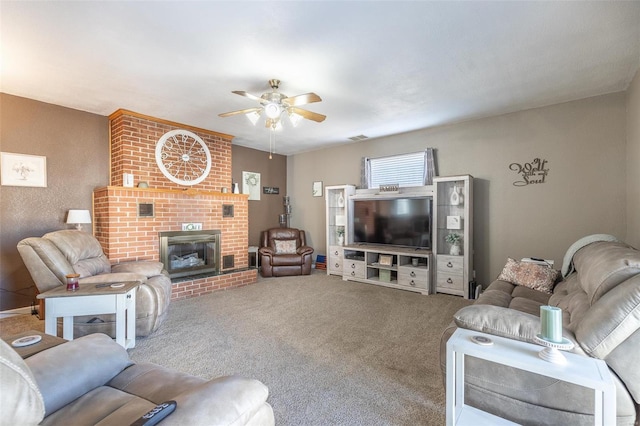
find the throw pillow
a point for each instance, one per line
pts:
(531, 275)
(285, 246)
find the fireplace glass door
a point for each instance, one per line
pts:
(186, 253)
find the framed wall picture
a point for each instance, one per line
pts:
(385, 260)
(23, 170)
(251, 185)
(317, 189)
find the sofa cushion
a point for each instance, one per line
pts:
(531, 275)
(22, 403)
(285, 246)
(68, 371)
(603, 265)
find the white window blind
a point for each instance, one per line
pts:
(413, 169)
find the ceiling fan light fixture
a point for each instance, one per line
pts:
(253, 117)
(272, 110)
(295, 118)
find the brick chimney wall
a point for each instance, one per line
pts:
(125, 236)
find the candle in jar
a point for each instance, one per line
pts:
(551, 323)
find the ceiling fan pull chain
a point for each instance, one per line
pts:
(272, 142)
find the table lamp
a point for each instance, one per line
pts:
(78, 217)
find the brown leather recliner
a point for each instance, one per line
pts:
(284, 252)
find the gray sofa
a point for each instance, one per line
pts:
(600, 299)
(91, 381)
(51, 257)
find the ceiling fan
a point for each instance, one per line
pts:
(274, 104)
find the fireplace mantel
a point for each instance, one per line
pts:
(190, 192)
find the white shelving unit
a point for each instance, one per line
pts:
(389, 266)
(453, 213)
(339, 217)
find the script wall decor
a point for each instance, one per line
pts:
(530, 173)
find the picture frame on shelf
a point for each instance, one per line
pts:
(385, 260)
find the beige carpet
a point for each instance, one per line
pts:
(331, 352)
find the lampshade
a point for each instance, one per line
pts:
(78, 217)
(272, 110)
(253, 117)
(295, 118)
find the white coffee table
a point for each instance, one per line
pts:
(581, 370)
(92, 300)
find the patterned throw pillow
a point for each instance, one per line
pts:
(534, 276)
(285, 246)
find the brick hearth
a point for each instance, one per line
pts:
(125, 236)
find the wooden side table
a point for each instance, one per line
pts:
(92, 300)
(589, 372)
(27, 351)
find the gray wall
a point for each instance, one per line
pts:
(263, 213)
(76, 145)
(633, 162)
(584, 143)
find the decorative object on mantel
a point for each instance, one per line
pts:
(78, 217)
(236, 188)
(455, 240)
(251, 185)
(23, 170)
(533, 172)
(183, 157)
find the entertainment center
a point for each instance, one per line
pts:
(412, 238)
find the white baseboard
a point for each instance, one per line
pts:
(19, 311)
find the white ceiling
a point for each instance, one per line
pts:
(381, 68)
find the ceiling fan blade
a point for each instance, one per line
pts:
(248, 95)
(241, 111)
(304, 99)
(308, 114)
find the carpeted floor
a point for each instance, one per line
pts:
(331, 352)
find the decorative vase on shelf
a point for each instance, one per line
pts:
(340, 200)
(454, 250)
(340, 239)
(455, 197)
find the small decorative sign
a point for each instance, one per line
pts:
(533, 172)
(270, 190)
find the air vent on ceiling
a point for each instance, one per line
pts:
(359, 138)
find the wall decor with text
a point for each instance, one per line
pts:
(530, 173)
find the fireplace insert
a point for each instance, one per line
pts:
(186, 253)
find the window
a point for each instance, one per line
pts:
(413, 169)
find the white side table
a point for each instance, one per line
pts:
(92, 300)
(584, 371)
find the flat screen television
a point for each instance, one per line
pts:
(403, 222)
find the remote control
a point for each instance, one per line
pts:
(156, 415)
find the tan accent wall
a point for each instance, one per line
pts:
(633, 162)
(583, 142)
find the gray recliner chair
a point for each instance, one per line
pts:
(51, 257)
(92, 380)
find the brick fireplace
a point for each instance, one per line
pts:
(126, 235)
